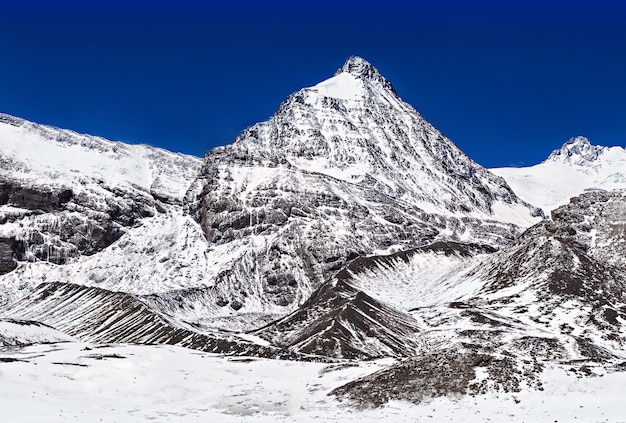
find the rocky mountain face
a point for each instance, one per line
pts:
(575, 168)
(343, 169)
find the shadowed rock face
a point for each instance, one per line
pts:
(7, 254)
(56, 226)
(32, 198)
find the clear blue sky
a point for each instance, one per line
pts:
(507, 82)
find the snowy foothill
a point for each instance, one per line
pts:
(129, 383)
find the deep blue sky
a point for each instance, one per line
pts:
(507, 82)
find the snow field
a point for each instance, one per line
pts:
(124, 383)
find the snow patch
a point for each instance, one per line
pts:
(343, 86)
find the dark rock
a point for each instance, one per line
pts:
(7, 255)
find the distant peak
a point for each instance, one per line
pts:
(361, 68)
(578, 142)
(577, 150)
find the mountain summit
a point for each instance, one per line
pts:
(361, 68)
(343, 169)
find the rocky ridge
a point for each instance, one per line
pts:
(556, 296)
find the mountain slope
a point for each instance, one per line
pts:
(577, 167)
(100, 316)
(554, 297)
(566, 276)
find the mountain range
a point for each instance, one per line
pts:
(344, 228)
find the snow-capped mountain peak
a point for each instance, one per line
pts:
(577, 150)
(362, 69)
(577, 167)
(344, 168)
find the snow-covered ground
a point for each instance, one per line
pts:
(123, 383)
(20, 332)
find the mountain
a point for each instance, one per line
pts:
(577, 167)
(345, 232)
(343, 169)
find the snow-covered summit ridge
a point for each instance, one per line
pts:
(356, 80)
(39, 153)
(578, 151)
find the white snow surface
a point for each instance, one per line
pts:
(38, 153)
(577, 167)
(343, 86)
(15, 332)
(423, 281)
(123, 383)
